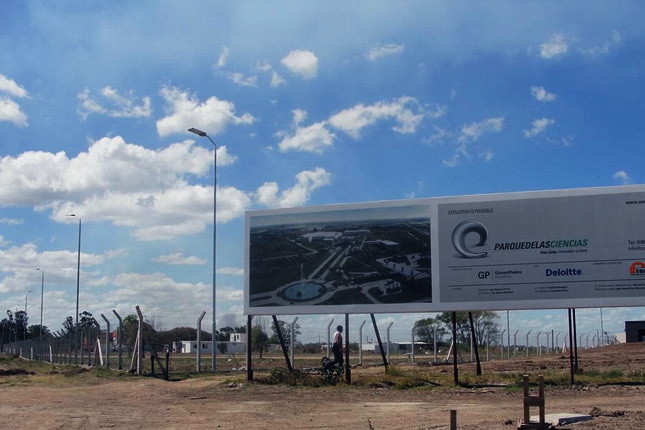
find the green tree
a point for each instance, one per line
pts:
(483, 321)
(285, 328)
(427, 328)
(222, 347)
(167, 337)
(21, 321)
(259, 340)
(9, 328)
(68, 325)
(33, 332)
(224, 333)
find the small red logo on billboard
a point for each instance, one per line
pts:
(637, 268)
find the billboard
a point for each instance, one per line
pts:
(533, 250)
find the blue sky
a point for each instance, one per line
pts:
(310, 103)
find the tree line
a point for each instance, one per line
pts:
(15, 327)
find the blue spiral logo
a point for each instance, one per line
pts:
(459, 238)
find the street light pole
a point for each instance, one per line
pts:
(78, 280)
(26, 294)
(204, 134)
(42, 297)
(24, 329)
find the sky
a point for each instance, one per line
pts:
(309, 103)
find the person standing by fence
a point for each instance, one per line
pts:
(337, 348)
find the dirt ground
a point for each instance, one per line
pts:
(215, 402)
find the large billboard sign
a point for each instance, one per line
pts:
(534, 250)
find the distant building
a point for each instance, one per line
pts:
(190, 347)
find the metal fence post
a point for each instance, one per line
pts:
(198, 364)
(107, 336)
(119, 339)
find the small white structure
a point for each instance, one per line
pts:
(190, 347)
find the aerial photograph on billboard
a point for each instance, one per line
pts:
(371, 258)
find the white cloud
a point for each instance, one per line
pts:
(315, 138)
(125, 184)
(3, 242)
(276, 79)
(301, 63)
(186, 111)
(556, 47)
(405, 111)
(460, 152)
(9, 86)
(299, 116)
(538, 127)
(473, 131)
(11, 221)
(178, 258)
(542, 95)
(603, 49)
(487, 155)
(10, 111)
(263, 67)
(622, 177)
(223, 58)
(245, 81)
(231, 271)
(118, 105)
(384, 51)
(22, 260)
(306, 182)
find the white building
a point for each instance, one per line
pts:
(190, 347)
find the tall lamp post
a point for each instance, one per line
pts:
(78, 280)
(27, 294)
(203, 134)
(24, 329)
(42, 297)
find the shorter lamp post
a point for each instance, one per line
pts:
(24, 329)
(201, 133)
(42, 298)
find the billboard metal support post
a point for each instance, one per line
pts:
(474, 343)
(455, 369)
(249, 348)
(571, 374)
(291, 340)
(348, 368)
(360, 344)
(378, 339)
(575, 341)
(283, 345)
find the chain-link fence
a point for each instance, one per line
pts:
(96, 345)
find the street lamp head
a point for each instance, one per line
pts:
(197, 132)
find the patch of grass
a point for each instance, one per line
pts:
(281, 375)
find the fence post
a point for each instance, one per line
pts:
(119, 335)
(198, 364)
(107, 337)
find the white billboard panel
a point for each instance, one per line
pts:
(535, 250)
(570, 248)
